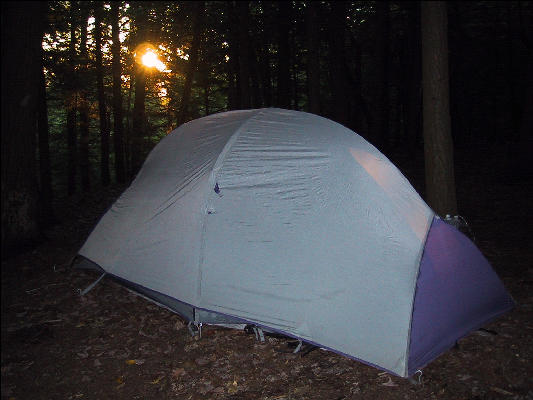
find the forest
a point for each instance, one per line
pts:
(90, 87)
(100, 109)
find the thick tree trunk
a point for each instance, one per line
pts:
(313, 58)
(20, 92)
(199, 12)
(84, 102)
(118, 127)
(284, 91)
(438, 146)
(102, 110)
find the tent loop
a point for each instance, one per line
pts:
(195, 329)
(460, 223)
(259, 335)
(298, 348)
(413, 380)
(89, 288)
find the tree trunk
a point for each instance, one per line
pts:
(381, 118)
(255, 78)
(205, 85)
(244, 58)
(232, 66)
(20, 92)
(336, 37)
(199, 11)
(138, 130)
(84, 101)
(127, 131)
(360, 116)
(139, 122)
(45, 171)
(284, 94)
(118, 127)
(263, 53)
(313, 58)
(294, 81)
(438, 146)
(266, 77)
(522, 165)
(413, 113)
(104, 127)
(72, 104)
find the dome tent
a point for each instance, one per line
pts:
(292, 222)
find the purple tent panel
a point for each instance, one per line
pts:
(457, 292)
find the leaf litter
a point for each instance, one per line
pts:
(113, 344)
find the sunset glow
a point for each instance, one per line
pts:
(149, 59)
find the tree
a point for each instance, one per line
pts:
(313, 57)
(340, 111)
(199, 10)
(118, 127)
(71, 100)
(83, 99)
(21, 63)
(45, 170)
(438, 145)
(139, 122)
(284, 18)
(244, 57)
(102, 109)
(411, 83)
(381, 118)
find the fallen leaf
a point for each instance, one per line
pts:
(501, 391)
(157, 380)
(120, 380)
(177, 372)
(232, 387)
(389, 383)
(130, 362)
(202, 361)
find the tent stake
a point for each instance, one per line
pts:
(88, 288)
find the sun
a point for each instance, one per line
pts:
(149, 59)
(146, 55)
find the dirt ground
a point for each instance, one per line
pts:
(112, 344)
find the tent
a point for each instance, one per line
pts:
(293, 223)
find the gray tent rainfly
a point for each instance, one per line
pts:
(293, 223)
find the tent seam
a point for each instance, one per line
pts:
(419, 261)
(211, 182)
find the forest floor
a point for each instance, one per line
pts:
(112, 344)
